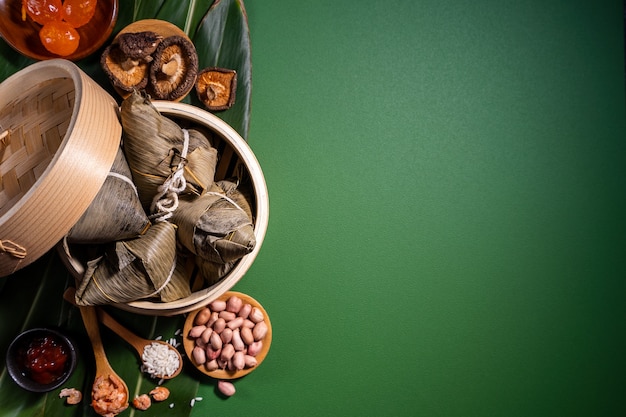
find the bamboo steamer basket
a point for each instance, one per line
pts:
(60, 136)
(235, 158)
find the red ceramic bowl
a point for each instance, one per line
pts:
(23, 36)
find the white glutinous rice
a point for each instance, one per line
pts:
(159, 360)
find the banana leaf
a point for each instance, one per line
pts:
(30, 298)
(222, 40)
(33, 296)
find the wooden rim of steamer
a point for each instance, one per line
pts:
(61, 194)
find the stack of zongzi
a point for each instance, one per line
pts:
(176, 212)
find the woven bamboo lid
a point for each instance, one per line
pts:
(60, 134)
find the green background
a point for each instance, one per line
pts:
(447, 194)
(447, 188)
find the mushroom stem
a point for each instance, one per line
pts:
(129, 64)
(170, 67)
(214, 89)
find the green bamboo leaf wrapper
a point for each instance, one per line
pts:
(115, 213)
(130, 270)
(212, 270)
(214, 227)
(153, 145)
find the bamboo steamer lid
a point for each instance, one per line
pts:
(61, 134)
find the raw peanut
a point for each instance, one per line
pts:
(234, 304)
(256, 315)
(247, 336)
(200, 343)
(196, 331)
(206, 335)
(245, 310)
(212, 319)
(216, 341)
(221, 363)
(239, 361)
(211, 365)
(199, 355)
(227, 335)
(248, 323)
(237, 341)
(227, 352)
(218, 305)
(235, 323)
(219, 325)
(202, 317)
(260, 330)
(250, 361)
(227, 315)
(230, 365)
(255, 348)
(212, 353)
(226, 388)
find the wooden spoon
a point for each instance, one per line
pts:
(137, 342)
(106, 378)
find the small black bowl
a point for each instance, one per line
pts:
(41, 359)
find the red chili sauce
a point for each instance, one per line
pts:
(43, 359)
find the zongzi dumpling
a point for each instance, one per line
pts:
(115, 213)
(130, 270)
(212, 271)
(162, 155)
(214, 227)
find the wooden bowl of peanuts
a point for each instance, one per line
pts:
(229, 337)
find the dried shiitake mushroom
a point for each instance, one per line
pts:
(174, 68)
(139, 45)
(125, 73)
(126, 61)
(216, 88)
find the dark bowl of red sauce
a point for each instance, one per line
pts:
(41, 359)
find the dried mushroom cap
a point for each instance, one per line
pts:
(174, 68)
(125, 73)
(216, 88)
(138, 45)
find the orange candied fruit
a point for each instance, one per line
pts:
(41, 11)
(59, 37)
(78, 12)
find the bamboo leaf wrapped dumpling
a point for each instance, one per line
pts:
(214, 271)
(115, 213)
(131, 270)
(160, 153)
(214, 227)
